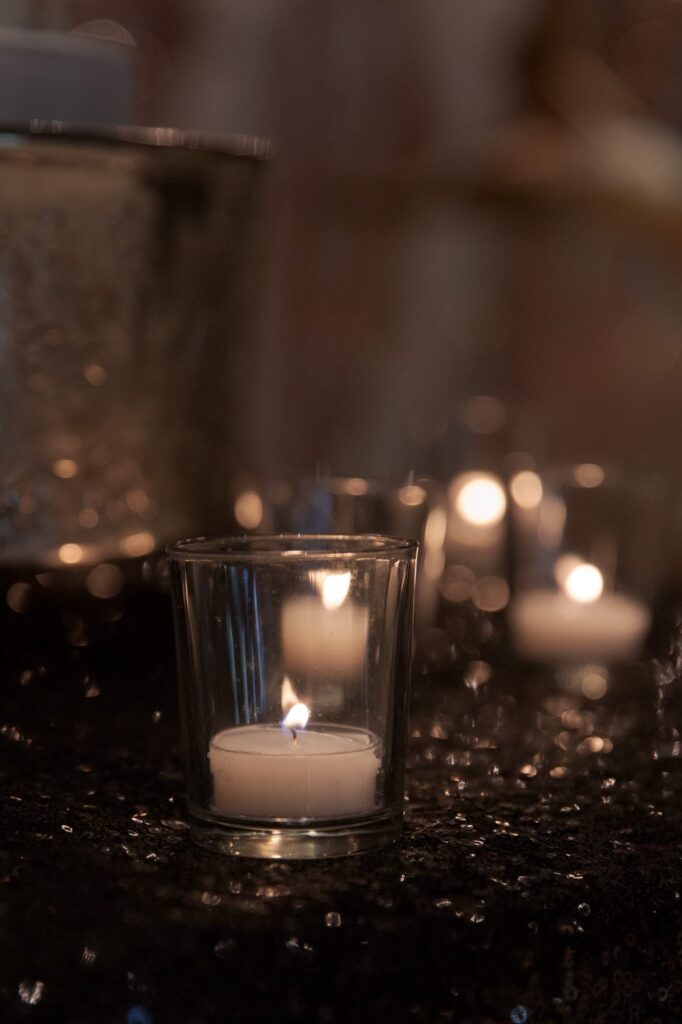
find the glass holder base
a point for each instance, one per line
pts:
(295, 842)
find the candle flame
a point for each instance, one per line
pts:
(289, 695)
(297, 717)
(584, 583)
(296, 712)
(479, 499)
(335, 589)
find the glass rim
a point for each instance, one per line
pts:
(136, 138)
(290, 547)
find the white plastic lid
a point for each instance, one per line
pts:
(60, 77)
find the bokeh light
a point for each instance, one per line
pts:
(95, 374)
(480, 499)
(105, 581)
(248, 510)
(589, 474)
(70, 554)
(107, 29)
(18, 597)
(137, 544)
(484, 414)
(412, 495)
(356, 486)
(594, 682)
(65, 469)
(584, 583)
(457, 583)
(526, 489)
(491, 594)
(88, 518)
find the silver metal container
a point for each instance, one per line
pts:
(126, 277)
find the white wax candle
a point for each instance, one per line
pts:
(329, 643)
(549, 625)
(260, 771)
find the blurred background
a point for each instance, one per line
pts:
(466, 260)
(471, 199)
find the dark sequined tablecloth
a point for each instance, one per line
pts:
(539, 879)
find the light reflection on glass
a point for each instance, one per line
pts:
(477, 674)
(335, 589)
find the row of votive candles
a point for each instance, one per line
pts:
(574, 613)
(563, 606)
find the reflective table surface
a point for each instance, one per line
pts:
(538, 879)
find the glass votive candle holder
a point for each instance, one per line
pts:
(585, 558)
(339, 505)
(294, 663)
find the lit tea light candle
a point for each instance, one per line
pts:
(579, 622)
(325, 636)
(291, 772)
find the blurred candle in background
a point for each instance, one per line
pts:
(476, 522)
(586, 556)
(578, 622)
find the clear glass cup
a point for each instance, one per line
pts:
(339, 505)
(294, 662)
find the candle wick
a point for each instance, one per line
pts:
(294, 736)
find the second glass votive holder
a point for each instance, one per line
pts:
(294, 660)
(586, 563)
